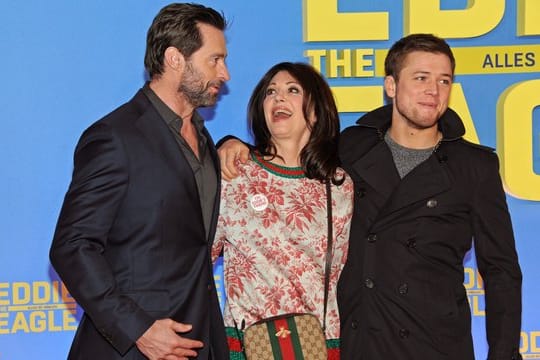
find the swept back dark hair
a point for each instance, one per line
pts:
(176, 25)
(319, 157)
(415, 42)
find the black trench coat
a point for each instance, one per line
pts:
(401, 293)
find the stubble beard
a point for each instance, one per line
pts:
(415, 119)
(194, 89)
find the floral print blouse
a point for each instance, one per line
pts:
(273, 231)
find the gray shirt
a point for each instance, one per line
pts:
(203, 167)
(406, 159)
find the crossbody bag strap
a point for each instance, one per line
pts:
(329, 245)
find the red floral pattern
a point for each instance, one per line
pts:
(274, 256)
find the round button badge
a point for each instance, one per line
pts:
(259, 202)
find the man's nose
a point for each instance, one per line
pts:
(432, 87)
(224, 73)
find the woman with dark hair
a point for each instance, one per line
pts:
(273, 217)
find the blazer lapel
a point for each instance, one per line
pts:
(215, 160)
(160, 137)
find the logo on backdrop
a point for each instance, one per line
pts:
(475, 291)
(330, 35)
(36, 307)
(40, 306)
(530, 340)
(530, 344)
(218, 279)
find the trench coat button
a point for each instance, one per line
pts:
(369, 283)
(403, 289)
(411, 243)
(372, 238)
(431, 203)
(403, 333)
(361, 192)
(354, 324)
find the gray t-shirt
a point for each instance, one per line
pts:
(406, 159)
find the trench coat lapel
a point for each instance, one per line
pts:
(377, 169)
(423, 183)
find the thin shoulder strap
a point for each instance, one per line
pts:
(329, 245)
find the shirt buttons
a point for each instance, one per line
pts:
(431, 203)
(369, 283)
(411, 243)
(354, 324)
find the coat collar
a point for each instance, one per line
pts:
(450, 123)
(376, 165)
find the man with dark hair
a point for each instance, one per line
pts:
(422, 195)
(133, 236)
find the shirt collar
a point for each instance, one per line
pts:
(167, 114)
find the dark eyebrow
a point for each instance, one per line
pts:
(287, 83)
(219, 54)
(423, 72)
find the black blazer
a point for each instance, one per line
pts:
(130, 243)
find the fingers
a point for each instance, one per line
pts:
(228, 167)
(180, 327)
(226, 160)
(230, 152)
(181, 353)
(185, 342)
(174, 357)
(226, 174)
(161, 341)
(187, 348)
(243, 155)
